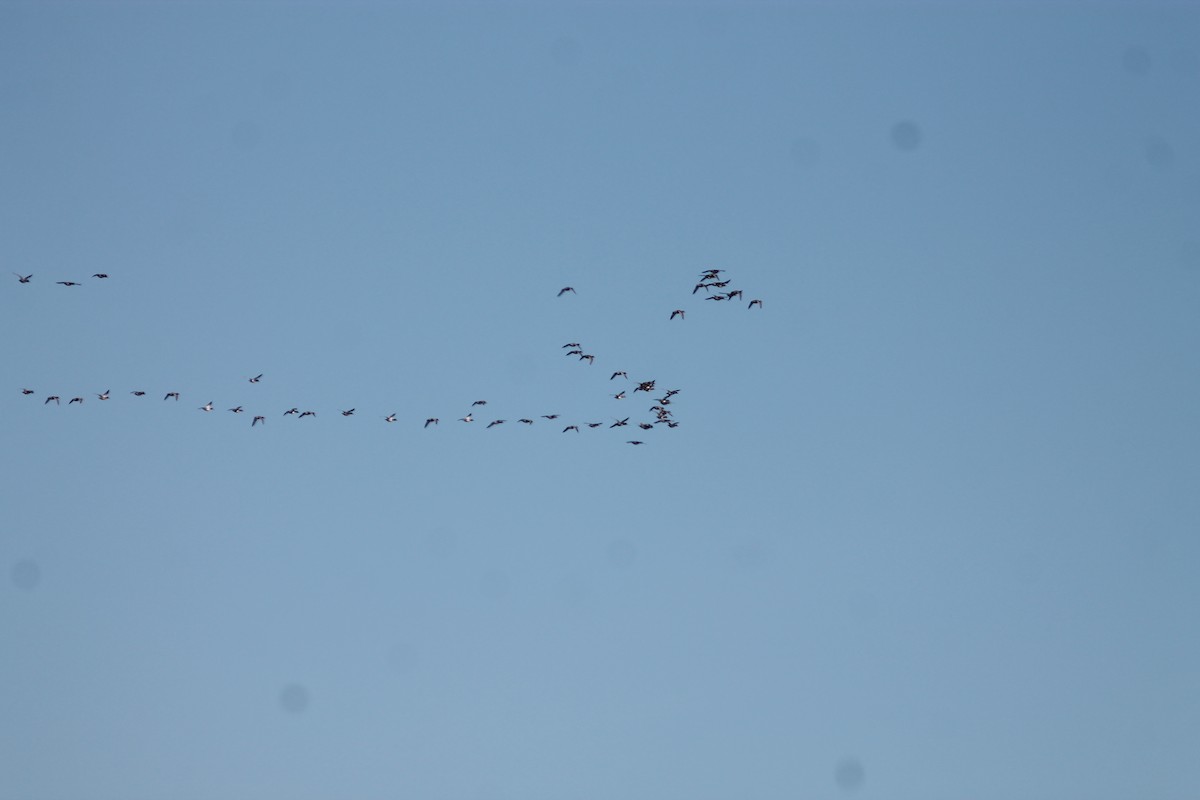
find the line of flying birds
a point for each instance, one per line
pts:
(661, 415)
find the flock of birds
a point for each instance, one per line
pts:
(660, 412)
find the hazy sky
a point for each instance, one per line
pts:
(927, 527)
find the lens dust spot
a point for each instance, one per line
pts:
(26, 575)
(849, 774)
(1159, 153)
(805, 151)
(294, 699)
(1136, 60)
(906, 136)
(621, 553)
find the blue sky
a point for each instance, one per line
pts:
(927, 527)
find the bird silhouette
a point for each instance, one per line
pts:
(172, 394)
(76, 400)
(631, 441)
(566, 289)
(27, 391)
(23, 278)
(571, 428)
(258, 419)
(348, 413)
(431, 421)
(467, 418)
(237, 409)
(104, 395)
(53, 397)
(68, 283)
(677, 313)
(207, 406)
(100, 275)
(291, 411)
(754, 303)
(495, 422)
(619, 374)
(304, 414)
(256, 379)
(390, 417)
(138, 393)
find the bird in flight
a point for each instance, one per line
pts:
(620, 423)
(257, 378)
(258, 419)
(631, 441)
(207, 406)
(645, 426)
(576, 352)
(27, 391)
(495, 422)
(754, 303)
(566, 289)
(621, 374)
(68, 283)
(138, 393)
(430, 421)
(100, 275)
(237, 409)
(564, 347)
(479, 403)
(620, 395)
(304, 414)
(677, 313)
(23, 278)
(76, 400)
(467, 418)
(549, 416)
(348, 413)
(390, 417)
(526, 421)
(291, 411)
(590, 359)
(53, 397)
(172, 394)
(104, 396)
(571, 428)
(594, 424)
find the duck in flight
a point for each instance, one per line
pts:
(564, 347)
(619, 374)
(138, 393)
(169, 395)
(754, 303)
(348, 413)
(256, 379)
(431, 421)
(100, 275)
(53, 397)
(620, 423)
(304, 414)
(207, 406)
(258, 419)
(495, 422)
(571, 428)
(104, 395)
(27, 391)
(526, 421)
(291, 411)
(237, 409)
(566, 289)
(631, 441)
(479, 403)
(390, 417)
(467, 418)
(23, 278)
(76, 400)
(677, 313)
(68, 283)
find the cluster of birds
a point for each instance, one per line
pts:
(660, 412)
(29, 278)
(711, 279)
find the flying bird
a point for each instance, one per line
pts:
(571, 428)
(620, 395)
(304, 414)
(479, 403)
(257, 378)
(620, 423)
(590, 359)
(104, 396)
(53, 397)
(291, 411)
(564, 347)
(172, 394)
(76, 400)
(100, 275)
(258, 419)
(390, 417)
(526, 421)
(549, 416)
(594, 424)
(138, 393)
(645, 426)
(348, 413)
(68, 283)
(431, 421)
(754, 303)
(621, 374)
(495, 422)
(631, 441)
(23, 278)
(677, 313)
(467, 418)
(573, 353)
(27, 391)
(207, 406)
(566, 289)
(237, 409)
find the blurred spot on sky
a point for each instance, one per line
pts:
(26, 574)
(245, 135)
(806, 151)
(403, 657)
(564, 51)
(294, 698)
(494, 584)
(849, 774)
(1159, 153)
(906, 135)
(1136, 60)
(621, 553)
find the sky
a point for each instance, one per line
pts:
(927, 527)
